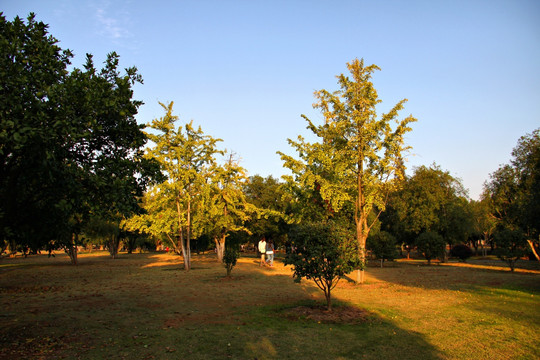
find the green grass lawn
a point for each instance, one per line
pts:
(141, 306)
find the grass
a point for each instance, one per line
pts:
(141, 306)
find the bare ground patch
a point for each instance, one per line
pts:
(338, 315)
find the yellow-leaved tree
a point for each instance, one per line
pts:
(359, 157)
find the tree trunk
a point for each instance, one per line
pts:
(71, 249)
(531, 244)
(361, 238)
(220, 246)
(113, 246)
(328, 296)
(186, 251)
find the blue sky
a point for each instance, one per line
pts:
(246, 70)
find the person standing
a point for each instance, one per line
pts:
(270, 253)
(262, 251)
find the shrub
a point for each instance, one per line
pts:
(510, 246)
(383, 245)
(461, 251)
(229, 259)
(322, 253)
(431, 245)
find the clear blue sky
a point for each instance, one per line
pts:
(246, 70)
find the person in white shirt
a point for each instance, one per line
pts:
(262, 250)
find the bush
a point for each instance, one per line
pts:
(431, 245)
(510, 246)
(229, 259)
(322, 253)
(461, 251)
(383, 245)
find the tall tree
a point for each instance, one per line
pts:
(359, 158)
(186, 156)
(70, 144)
(514, 190)
(226, 208)
(483, 221)
(430, 200)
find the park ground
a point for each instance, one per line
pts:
(143, 306)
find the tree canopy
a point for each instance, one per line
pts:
(70, 145)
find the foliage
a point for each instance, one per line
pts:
(186, 155)
(226, 208)
(269, 197)
(322, 253)
(461, 251)
(431, 245)
(429, 200)
(230, 256)
(511, 245)
(383, 245)
(70, 144)
(514, 189)
(483, 221)
(359, 158)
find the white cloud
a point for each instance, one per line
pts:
(113, 24)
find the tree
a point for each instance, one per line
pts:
(461, 251)
(514, 190)
(484, 222)
(359, 158)
(186, 155)
(383, 245)
(510, 246)
(322, 253)
(269, 197)
(31, 65)
(73, 147)
(226, 208)
(429, 200)
(230, 257)
(431, 245)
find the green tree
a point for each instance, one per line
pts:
(230, 258)
(431, 245)
(484, 222)
(322, 253)
(429, 200)
(31, 66)
(226, 208)
(514, 190)
(186, 156)
(383, 245)
(269, 197)
(72, 145)
(359, 157)
(511, 245)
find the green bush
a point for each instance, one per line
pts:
(229, 259)
(431, 245)
(510, 245)
(322, 253)
(461, 251)
(383, 245)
